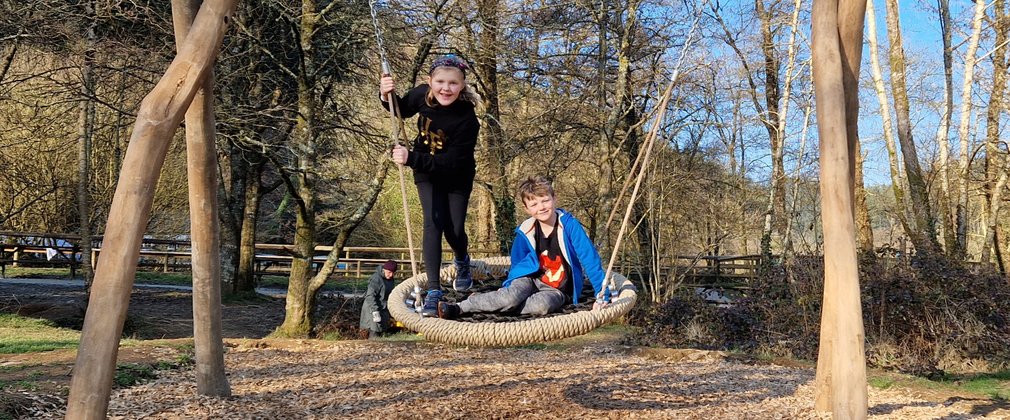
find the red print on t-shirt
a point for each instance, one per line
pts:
(554, 270)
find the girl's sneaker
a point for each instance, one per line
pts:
(464, 279)
(431, 303)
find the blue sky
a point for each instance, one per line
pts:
(923, 47)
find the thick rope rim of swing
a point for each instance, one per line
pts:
(502, 334)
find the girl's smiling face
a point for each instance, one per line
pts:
(446, 84)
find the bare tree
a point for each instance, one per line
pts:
(947, 219)
(922, 228)
(87, 131)
(970, 59)
(995, 160)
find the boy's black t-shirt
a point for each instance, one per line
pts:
(554, 270)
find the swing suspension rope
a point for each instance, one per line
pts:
(396, 136)
(540, 329)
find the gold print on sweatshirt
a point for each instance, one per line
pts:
(434, 140)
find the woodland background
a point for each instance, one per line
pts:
(569, 90)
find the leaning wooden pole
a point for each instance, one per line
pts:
(205, 236)
(159, 117)
(841, 364)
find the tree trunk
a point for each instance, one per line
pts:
(947, 222)
(86, 130)
(922, 230)
(864, 227)
(159, 116)
(782, 116)
(487, 70)
(231, 190)
(995, 166)
(245, 279)
(897, 180)
(771, 118)
(600, 233)
(963, 131)
(787, 247)
(840, 383)
(299, 302)
(201, 154)
(347, 229)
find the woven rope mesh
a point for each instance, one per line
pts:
(502, 334)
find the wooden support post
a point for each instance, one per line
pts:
(157, 120)
(837, 28)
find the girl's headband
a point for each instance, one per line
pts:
(449, 61)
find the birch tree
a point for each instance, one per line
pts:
(948, 223)
(995, 160)
(894, 165)
(963, 134)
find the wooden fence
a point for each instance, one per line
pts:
(166, 255)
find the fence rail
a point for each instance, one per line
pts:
(20, 249)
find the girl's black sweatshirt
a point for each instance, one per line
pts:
(447, 136)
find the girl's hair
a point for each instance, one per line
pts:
(453, 62)
(535, 186)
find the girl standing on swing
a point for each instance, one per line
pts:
(442, 158)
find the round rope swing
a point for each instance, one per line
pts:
(502, 334)
(623, 293)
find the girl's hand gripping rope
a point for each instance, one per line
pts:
(399, 154)
(386, 85)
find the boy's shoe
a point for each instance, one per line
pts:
(448, 310)
(464, 279)
(431, 303)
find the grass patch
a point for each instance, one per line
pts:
(130, 374)
(39, 272)
(994, 385)
(28, 335)
(173, 279)
(880, 382)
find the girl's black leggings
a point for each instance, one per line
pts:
(444, 207)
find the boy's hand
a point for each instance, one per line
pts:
(600, 305)
(399, 154)
(386, 85)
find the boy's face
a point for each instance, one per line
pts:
(540, 207)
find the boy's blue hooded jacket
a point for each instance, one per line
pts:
(576, 248)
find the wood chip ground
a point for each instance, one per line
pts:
(363, 379)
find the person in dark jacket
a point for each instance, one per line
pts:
(374, 313)
(442, 158)
(551, 257)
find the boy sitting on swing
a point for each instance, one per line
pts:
(550, 255)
